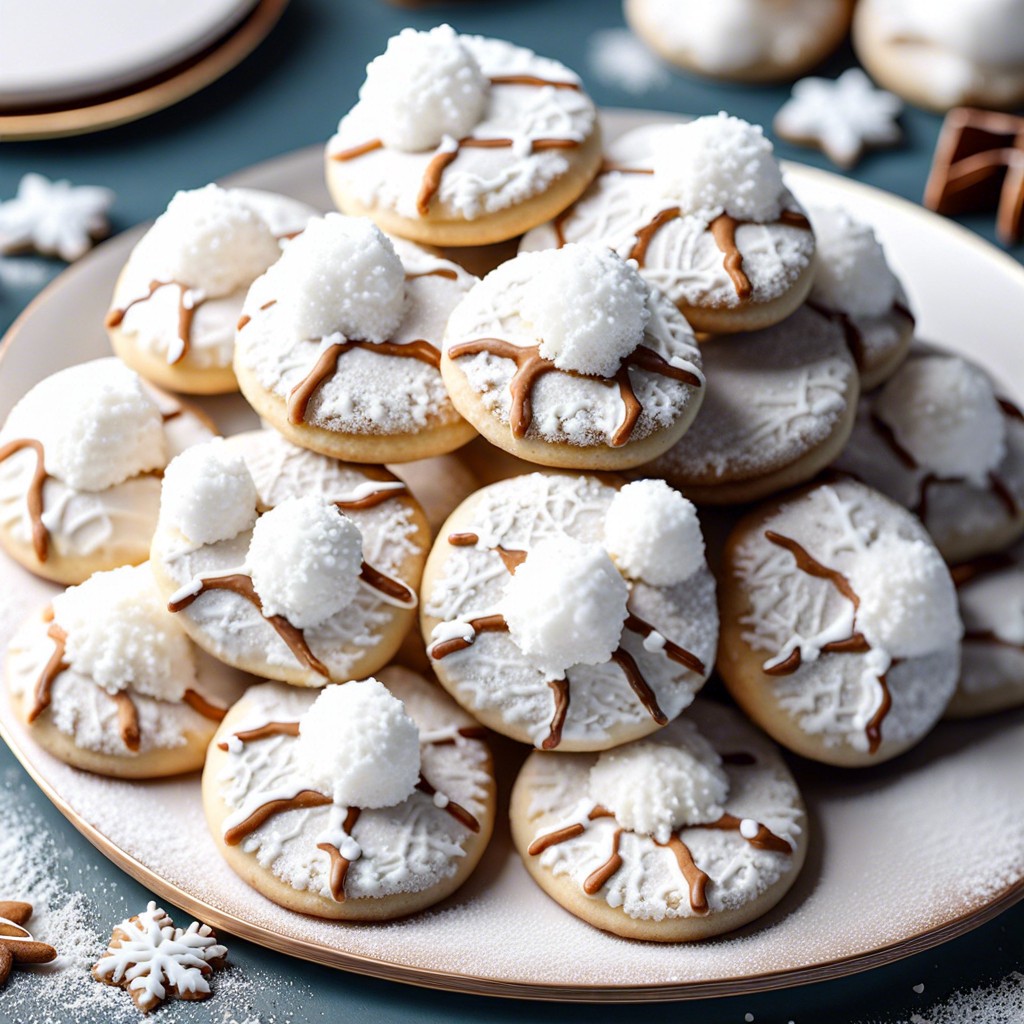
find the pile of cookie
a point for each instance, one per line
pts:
(675, 331)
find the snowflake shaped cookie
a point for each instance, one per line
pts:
(152, 960)
(842, 117)
(55, 218)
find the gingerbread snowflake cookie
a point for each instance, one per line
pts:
(569, 614)
(369, 801)
(17, 945)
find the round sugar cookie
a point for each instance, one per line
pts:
(728, 261)
(81, 456)
(107, 681)
(288, 564)
(689, 834)
(605, 636)
(463, 141)
(840, 629)
(780, 406)
(177, 300)
(282, 829)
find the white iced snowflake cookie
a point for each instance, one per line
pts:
(176, 304)
(703, 210)
(686, 835)
(959, 52)
(369, 801)
(286, 563)
(81, 455)
(108, 680)
(780, 405)
(939, 440)
(741, 40)
(339, 343)
(552, 622)
(840, 630)
(569, 358)
(462, 140)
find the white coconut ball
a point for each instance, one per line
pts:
(423, 87)
(565, 605)
(358, 744)
(653, 534)
(305, 557)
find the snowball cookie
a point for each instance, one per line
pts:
(991, 592)
(338, 346)
(569, 358)
(939, 440)
(840, 629)
(81, 456)
(178, 298)
(703, 210)
(108, 681)
(855, 286)
(742, 40)
(688, 834)
(959, 52)
(358, 803)
(461, 140)
(286, 563)
(552, 621)
(780, 405)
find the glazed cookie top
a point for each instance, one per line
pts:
(541, 339)
(359, 791)
(855, 612)
(283, 557)
(701, 818)
(81, 456)
(937, 439)
(459, 125)
(700, 206)
(346, 329)
(114, 670)
(182, 288)
(576, 614)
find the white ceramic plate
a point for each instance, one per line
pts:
(903, 856)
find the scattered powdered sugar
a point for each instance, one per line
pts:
(618, 59)
(998, 1003)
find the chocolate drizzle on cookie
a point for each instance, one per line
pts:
(187, 306)
(42, 695)
(34, 495)
(851, 331)
(339, 863)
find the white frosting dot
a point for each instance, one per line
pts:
(851, 275)
(565, 605)
(357, 744)
(121, 635)
(423, 87)
(305, 557)
(208, 494)
(586, 306)
(718, 163)
(749, 828)
(944, 412)
(653, 534)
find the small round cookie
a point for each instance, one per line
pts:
(742, 40)
(461, 140)
(855, 286)
(840, 630)
(569, 358)
(568, 614)
(288, 564)
(107, 680)
(703, 210)
(338, 346)
(943, 55)
(360, 803)
(178, 298)
(780, 406)
(939, 440)
(991, 592)
(81, 456)
(691, 833)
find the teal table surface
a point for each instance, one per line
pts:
(289, 94)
